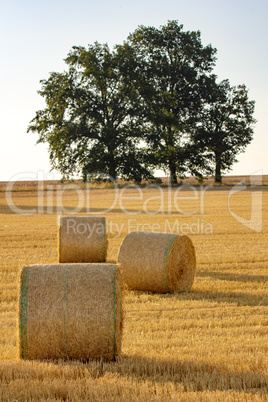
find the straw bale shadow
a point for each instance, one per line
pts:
(233, 277)
(191, 375)
(239, 299)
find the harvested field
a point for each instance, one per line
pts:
(207, 344)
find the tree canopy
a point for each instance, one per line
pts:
(152, 102)
(91, 120)
(173, 67)
(225, 126)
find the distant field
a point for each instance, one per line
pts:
(34, 185)
(209, 344)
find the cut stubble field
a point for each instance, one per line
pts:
(208, 344)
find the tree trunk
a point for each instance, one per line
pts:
(112, 175)
(173, 175)
(218, 176)
(111, 163)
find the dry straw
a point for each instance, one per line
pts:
(157, 262)
(82, 239)
(70, 311)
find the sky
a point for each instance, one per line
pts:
(36, 36)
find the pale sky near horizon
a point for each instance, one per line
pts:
(36, 36)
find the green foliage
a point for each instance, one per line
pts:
(173, 66)
(91, 120)
(152, 102)
(225, 125)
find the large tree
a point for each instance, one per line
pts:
(91, 120)
(225, 125)
(174, 69)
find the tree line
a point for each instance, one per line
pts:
(150, 103)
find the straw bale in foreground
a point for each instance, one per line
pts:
(70, 311)
(82, 239)
(157, 262)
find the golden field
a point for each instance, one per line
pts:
(209, 344)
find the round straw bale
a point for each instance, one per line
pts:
(82, 239)
(70, 311)
(157, 262)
